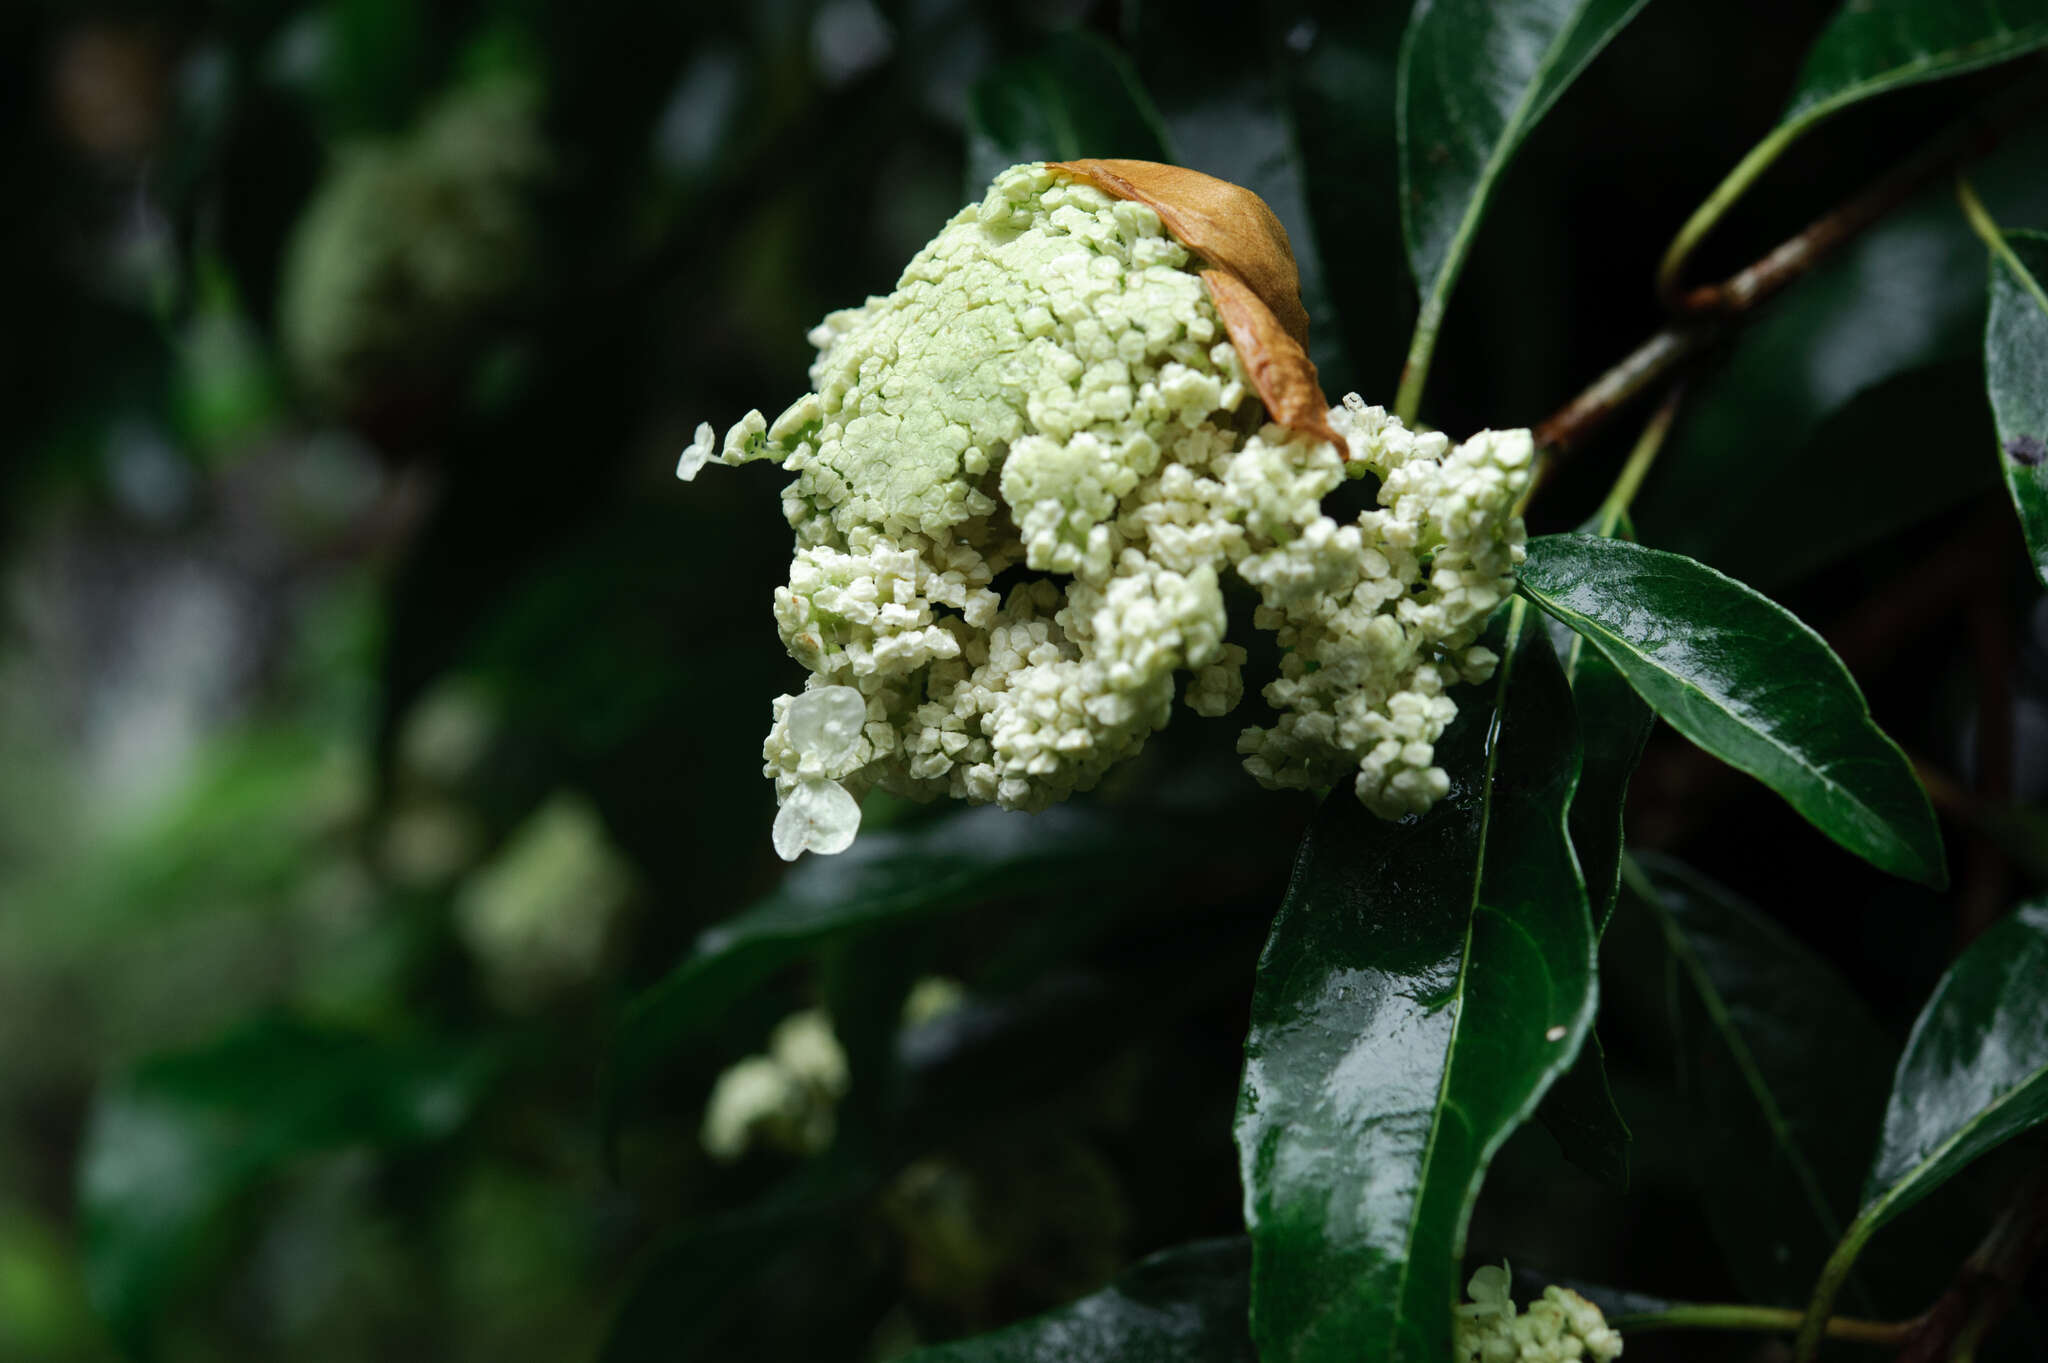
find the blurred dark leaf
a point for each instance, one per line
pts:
(1476, 76)
(1334, 75)
(866, 980)
(692, 1285)
(1783, 1069)
(1183, 1305)
(1425, 982)
(885, 879)
(180, 1140)
(378, 60)
(1580, 1112)
(1076, 96)
(2016, 372)
(1230, 121)
(1741, 676)
(1861, 337)
(1975, 1071)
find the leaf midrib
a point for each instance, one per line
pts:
(1500, 693)
(1941, 1152)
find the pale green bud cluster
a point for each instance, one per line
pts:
(1050, 387)
(409, 242)
(1559, 1327)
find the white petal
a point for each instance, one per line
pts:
(699, 452)
(819, 816)
(825, 723)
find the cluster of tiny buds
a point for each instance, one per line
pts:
(1559, 1327)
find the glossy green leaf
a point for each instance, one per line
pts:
(1783, 1071)
(1183, 1305)
(1745, 680)
(1424, 983)
(1973, 1076)
(1975, 1070)
(886, 878)
(177, 1143)
(1475, 77)
(2016, 373)
(1075, 96)
(1867, 366)
(1874, 46)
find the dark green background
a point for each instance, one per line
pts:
(234, 966)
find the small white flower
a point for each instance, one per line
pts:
(818, 816)
(698, 453)
(825, 724)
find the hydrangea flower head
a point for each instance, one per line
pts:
(1053, 386)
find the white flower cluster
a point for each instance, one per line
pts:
(1559, 1327)
(1050, 387)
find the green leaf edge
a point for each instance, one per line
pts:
(1528, 112)
(1798, 120)
(1934, 874)
(1581, 1024)
(1992, 51)
(1883, 1204)
(2004, 258)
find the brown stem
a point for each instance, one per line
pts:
(1650, 361)
(1989, 1282)
(1968, 138)
(1708, 312)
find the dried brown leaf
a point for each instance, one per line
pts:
(1252, 276)
(1280, 369)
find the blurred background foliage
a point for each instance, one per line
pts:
(378, 715)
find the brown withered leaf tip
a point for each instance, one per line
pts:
(1252, 277)
(1280, 369)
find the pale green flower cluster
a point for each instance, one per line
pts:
(1050, 387)
(1559, 1327)
(409, 242)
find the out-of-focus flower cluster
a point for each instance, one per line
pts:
(788, 1098)
(410, 242)
(1050, 387)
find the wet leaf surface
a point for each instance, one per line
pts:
(1741, 676)
(1423, 985)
